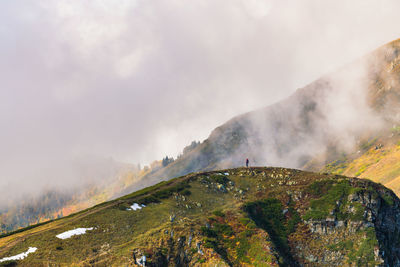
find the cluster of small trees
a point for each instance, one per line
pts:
(190, 147)
(187, 149)
(166, 161)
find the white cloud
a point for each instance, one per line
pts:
(138, 80)
(258, 8)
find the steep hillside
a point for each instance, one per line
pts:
(317, 125)
(377, 159)
(234, 217)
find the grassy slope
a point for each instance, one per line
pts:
(376, 158)
(233, 238)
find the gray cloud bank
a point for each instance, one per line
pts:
(137, 80)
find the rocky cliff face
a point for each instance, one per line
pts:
(235, 217)
(366, 215)
(325, 221)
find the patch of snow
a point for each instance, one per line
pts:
(227, 173)
(136, 206)
(20, 256)
(70, 233)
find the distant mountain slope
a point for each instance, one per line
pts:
(234, 217)
(320, 123)
(55, 202)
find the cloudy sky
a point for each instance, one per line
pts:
(136, 80)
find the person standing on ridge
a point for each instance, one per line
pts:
(247, 163)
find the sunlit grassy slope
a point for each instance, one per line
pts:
(376, 158)
(237, 217)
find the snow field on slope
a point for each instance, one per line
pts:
(20, 256)
(70, 233)
(136, 206)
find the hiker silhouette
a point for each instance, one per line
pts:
(247, 163)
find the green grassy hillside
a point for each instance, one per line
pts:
(377, 158)
(233, 217)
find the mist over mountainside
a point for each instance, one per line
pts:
(323, 126)
(138, 80)
(102, 179)
(320, 123)
(101, 185)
